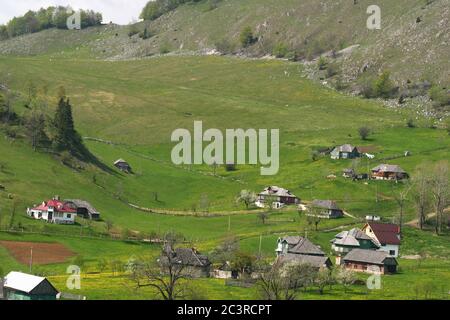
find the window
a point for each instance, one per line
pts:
(392, 252)
(69, 216)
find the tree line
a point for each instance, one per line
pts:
(46, 18)
(156, 8)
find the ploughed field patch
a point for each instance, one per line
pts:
(43, 253)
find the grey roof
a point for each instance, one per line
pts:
(304, 247)
(370, 256)
(120, 161)
(326, 204)
(316, 261)
(345, 148)
(83, 204)
(356, 233)
(277, 191)
(190, 257)
(389, 168)
(292, 240)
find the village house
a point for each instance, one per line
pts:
(346, 241)
(84, 209)
(278, 196)
(388, 172)
(385, 235)
(195, 264)
(22, 286)
(54, 211)
(370, 261)
(326, 209)
(346, 151)
(225, 271)
(299, 250)
(123, 166)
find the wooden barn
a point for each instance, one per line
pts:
(370, 261)
(22, 286)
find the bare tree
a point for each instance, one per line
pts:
(263, 216)
(284, 282)
(35, 125)
(246, 197)
(421, 183)
(166, 275)
(401, 198)
(440, 192)
(346, 277)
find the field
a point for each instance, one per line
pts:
(40, 253)
(133, 107)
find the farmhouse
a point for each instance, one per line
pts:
(346, 151)
(54, 211)
(195, 264)
(84, 209)
(346, 241)
(327, 209)
(297, 245)
(318, 262)
(123, 166)
(278, 196)
(388, 172)
(22, 286)
(299, 250)
(385, 235)
(370, 261)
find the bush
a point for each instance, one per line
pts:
(133, 30)
(440, 96)
(364, 132)
(224, 46)
(280, 50)
(322, 63)
(332, 70)
(410, 123)
(383, 86)
(246, 37)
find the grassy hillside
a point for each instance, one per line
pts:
(411, 43)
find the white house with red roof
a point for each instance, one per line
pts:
(54, 211)
(385, 235)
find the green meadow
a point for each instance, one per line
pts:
(134, 106)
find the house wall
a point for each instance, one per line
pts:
(391, 247)
(364, 267)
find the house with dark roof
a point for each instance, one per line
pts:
(297, 245)
(385, 235)
(370, 261)
(296, 249)
(22, 286)
(346, 241)
(327, 209)
(388, 172)
(84, 209)
(346, 151)
(195, 264)
(278, 196)
(123, 166)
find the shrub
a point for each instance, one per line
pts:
(322, 63)
(280, 50)
(224, 46)
(246, 37)
(410, 123)
(332, 70)
(440, 96)
(364, 132)
(383, 86)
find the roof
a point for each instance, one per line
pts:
(344, 148)
(120, 161)
(191, 257)
(370, 256)
(386, 233)
(277, 191)
(316, 261)
(326, 204)
(83, 204)
(58, 205)
(23, 282)
(302, 246)
(388, 168)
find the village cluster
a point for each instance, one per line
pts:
(372, 249)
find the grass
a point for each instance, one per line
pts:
(137, 104)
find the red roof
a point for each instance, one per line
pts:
(386, 233)
(58, 205)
